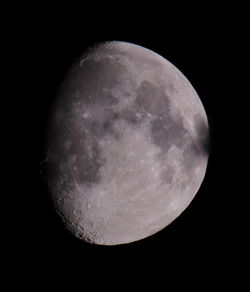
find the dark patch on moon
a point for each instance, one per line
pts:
(152, 99)
(196, 147)
(195, 150)
(129, 115)
(86, 167)
(167, 175)
(166, 131)
(105, 125)
(80, 161)
(203, 142)
(88, 83)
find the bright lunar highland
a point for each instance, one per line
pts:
(127, 144)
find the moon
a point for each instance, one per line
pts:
(127, 144)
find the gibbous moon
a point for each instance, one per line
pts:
(127, 144)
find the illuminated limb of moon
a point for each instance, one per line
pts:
(127, 145)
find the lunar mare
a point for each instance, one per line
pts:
(127, 144)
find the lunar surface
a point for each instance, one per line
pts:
(127, 144)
